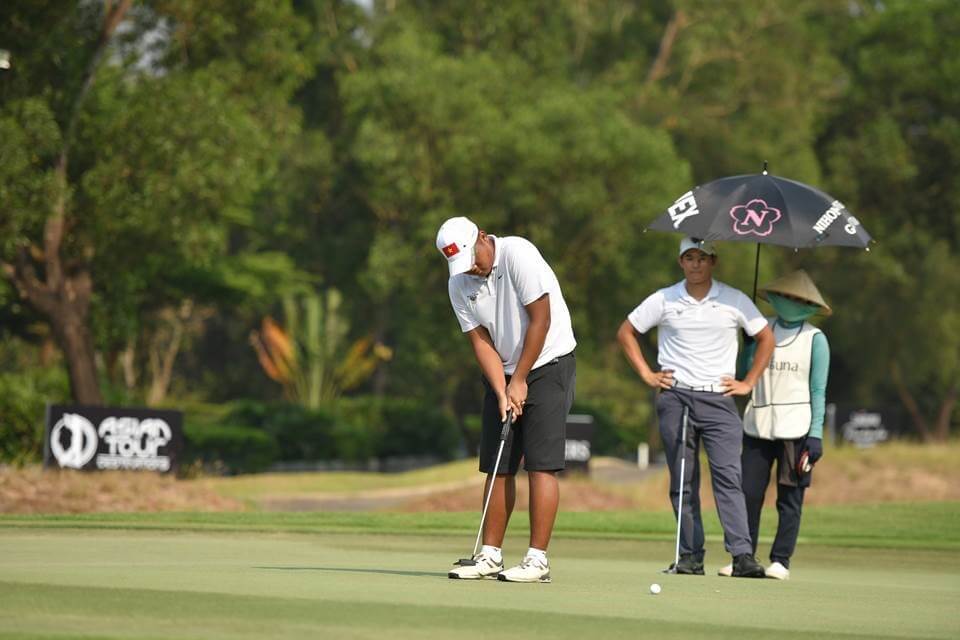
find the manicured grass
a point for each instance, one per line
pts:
(924, 525)
(251, 487)
(348, 576)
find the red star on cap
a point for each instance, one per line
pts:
(451, 250)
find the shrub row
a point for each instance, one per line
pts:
(254, 435)
(23, 399)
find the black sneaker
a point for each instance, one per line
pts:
(689, 565)
(746, 566)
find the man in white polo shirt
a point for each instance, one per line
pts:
(698, 320)
(508, 302)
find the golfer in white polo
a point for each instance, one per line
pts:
(508, 302)
(698, 320)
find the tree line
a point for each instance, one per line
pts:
(195, 191)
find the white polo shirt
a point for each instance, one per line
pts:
(519, 276)
(697, 339)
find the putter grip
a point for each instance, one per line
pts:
(506, 426)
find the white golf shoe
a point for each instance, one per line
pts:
(529, 570)
(486, 567)
(726, 571)
(778, 571)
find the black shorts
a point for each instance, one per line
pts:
(539, 436)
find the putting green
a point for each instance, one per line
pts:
(121, 582)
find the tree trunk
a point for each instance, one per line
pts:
(128, 361)
(77, 345)
(942, 425)
(661, 63)
(919, 422)
(65, 301)
(163, 351)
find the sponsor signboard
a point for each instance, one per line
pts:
(102, 438)
(864, 426)
(580, 429)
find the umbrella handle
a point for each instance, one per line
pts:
(756, 268)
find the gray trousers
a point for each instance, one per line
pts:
(714, 420)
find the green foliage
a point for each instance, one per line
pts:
(29, 137)
(893, 149)
(310, 356)
(199, 157)
(381, 427)
(23, 400)
(484, 134)
(611, 438)
(259, 41)
(238, 449)
(167, 135)
(300, 433)
(238, 153)
(354, 429)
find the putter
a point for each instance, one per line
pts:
(504, 432)
(683, 460)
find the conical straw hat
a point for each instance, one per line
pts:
(799, 285)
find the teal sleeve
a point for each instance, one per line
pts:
(745, 358)
(819, 369)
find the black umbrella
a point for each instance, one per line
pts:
(764, 209)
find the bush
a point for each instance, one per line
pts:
(417, 428)
(609, 437)
(300, 433)
(23, 400)
(384, 427)
(239, 449)
(350, 429)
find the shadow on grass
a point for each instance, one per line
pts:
(387, 572)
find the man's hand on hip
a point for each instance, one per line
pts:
(660, 379)
(734, 387)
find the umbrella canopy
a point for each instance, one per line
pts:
(766, 209)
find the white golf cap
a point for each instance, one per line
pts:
(455, 240)
(692, 243)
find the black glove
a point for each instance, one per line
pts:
(814, 447)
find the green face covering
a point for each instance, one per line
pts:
(790, 310)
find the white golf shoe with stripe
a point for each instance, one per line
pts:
(530, 569)
(486, 567)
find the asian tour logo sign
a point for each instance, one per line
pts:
(123, 438)
(73, 441)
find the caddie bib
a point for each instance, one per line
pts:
(779, 408)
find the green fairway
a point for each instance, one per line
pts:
(248, 487)
(382, 576)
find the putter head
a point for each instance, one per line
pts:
(671, 569)
(465, 562)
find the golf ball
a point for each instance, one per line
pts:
(654, 588)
